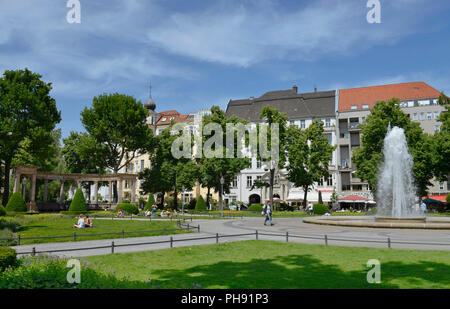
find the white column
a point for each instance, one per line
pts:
(95, 192)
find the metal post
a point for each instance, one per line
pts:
(33, 253)
(389, 242)
(74, 236)
(326, 240)
(217, 238)
(123, 233)
(171, 242)
(18, 240)
(188, 227)
(287, 236)
(256, 234)
(198, 228)
(112, 247)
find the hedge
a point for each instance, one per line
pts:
(16, 203)
(320, 209)
(150, 202)
(255, 207)
(201, 204)
(78, 204)
(8, 257)
(128, 208)
(2, 211)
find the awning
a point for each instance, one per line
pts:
(297, 196)
(437, 199)
(355, 199)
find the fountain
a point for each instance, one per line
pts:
(397, 203)
(396, 194)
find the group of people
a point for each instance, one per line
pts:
(83, 222)
(164, 213)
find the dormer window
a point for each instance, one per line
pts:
(354, 107)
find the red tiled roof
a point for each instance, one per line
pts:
(354, 198)
(167, 113)
(371, 95)
(168, 118)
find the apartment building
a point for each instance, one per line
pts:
(417, 99)
(301, 109)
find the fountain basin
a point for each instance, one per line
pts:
(401, 220)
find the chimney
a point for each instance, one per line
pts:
(295, 88)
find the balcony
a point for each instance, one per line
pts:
(345, 165)
(354, 126)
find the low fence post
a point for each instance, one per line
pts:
(123, 233)
(326, 240)
(256, 234)
(287, 236)
(217, 238)
(33, 253)
(188, 227)
(171, 242)
(74, 236)
(198, 228)
(112, 247)
(18, 240)
(164, 231)
(389, 242)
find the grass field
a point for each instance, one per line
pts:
(277, 265)
(56, 225)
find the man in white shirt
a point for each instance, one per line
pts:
(81, 224)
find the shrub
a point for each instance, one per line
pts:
(16, 203)
(201, 204)
(256, 207)
(286, 207)
(320, 209)
(128, 209)
(192, 203)
(150, 202)
(78, 204)
(8, 257)
(2, 211)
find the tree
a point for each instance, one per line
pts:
(308, 153)
(222, 164)
(78, 203)
(28, 114)
(167, 173)
(368, 157)
(150, 202)
(273, 116)
(441, 143)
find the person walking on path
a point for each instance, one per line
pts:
(268, 213)
(154, 207)
(423, 207)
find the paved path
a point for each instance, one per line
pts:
(314, 234)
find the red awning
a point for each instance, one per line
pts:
(354, 198)
(440, 198)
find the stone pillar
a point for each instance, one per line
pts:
(45, 190)
(110, 200)
(95, 192)
(24, 188)
(61, 195)
(17, 183)
(133, 191)
(32, 205)
(119, 191)
(79, 183)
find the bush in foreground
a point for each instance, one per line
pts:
(320, 209)
(78, 204)
(128, 208)
(16, 203)
(8, 258)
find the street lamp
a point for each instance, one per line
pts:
(222, 181)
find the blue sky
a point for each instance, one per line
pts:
(203, 53)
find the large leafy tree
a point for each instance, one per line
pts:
(226, 165)
(28, 115)
(308, 153)
(272, 116)
(167, 173)
(118, 122)
(441, 143)
(369, 156)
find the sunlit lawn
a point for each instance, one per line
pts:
(277, 265)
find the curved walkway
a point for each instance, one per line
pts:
(310, 233)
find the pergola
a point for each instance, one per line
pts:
(33, 173)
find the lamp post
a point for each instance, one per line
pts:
(222, 181)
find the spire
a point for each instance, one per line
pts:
(150, 104)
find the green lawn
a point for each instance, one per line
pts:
(56, 225)
(277, 265)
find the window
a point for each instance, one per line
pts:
(277, 179)
(249, 181)
(363, 119)
(437, 129)
(365, 106)
(330, 139)
(320, 182)
(354, 107)
(415, 116)
(436, 115)
(258, 163)
(234, 184)
(164, 119)
(302, 124)
(259, 178)
(328, 122)
(137, 165)
(330, 180)
(142, 165)
(429, 116)
(441, 186)
(422, 116)
(292, 122)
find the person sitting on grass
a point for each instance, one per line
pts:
(147, 213)
(81, 223)
(119, 213)
(168, 212)
(174, 214)
(163, 213)
(88, 222)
